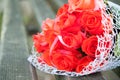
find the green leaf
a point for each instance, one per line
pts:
(117, 47)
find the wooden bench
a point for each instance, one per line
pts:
(14, 52)
(14, 44)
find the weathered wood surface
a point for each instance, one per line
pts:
(56, 4)
(116, 1)
(110, 75)
(96, 76)
(1, 6)
(42, 10)
(14, 52)
(45, 8)
(106, 75)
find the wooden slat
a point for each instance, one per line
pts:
(34, 73)
(0, 46)
(55, 4)
(14, 52)
(106, 75)
(96, 76)
(1, 5)
(110, 75)
(116, 1)
(117, 71)
(1, 10)
(42, 10)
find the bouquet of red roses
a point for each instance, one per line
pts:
(82, 39)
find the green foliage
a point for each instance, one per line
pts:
(105, 1)
(117, 47)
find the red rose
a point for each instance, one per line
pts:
(68, 23)
(48, 30)
(71, 40)
(46, 57)
(64, 21)
(65, 60)
(50, 36)
(89, 46)
(83, 62)
(77, 5)
(91, 21)
(48, 24)
(39, 43)
(62, 10)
